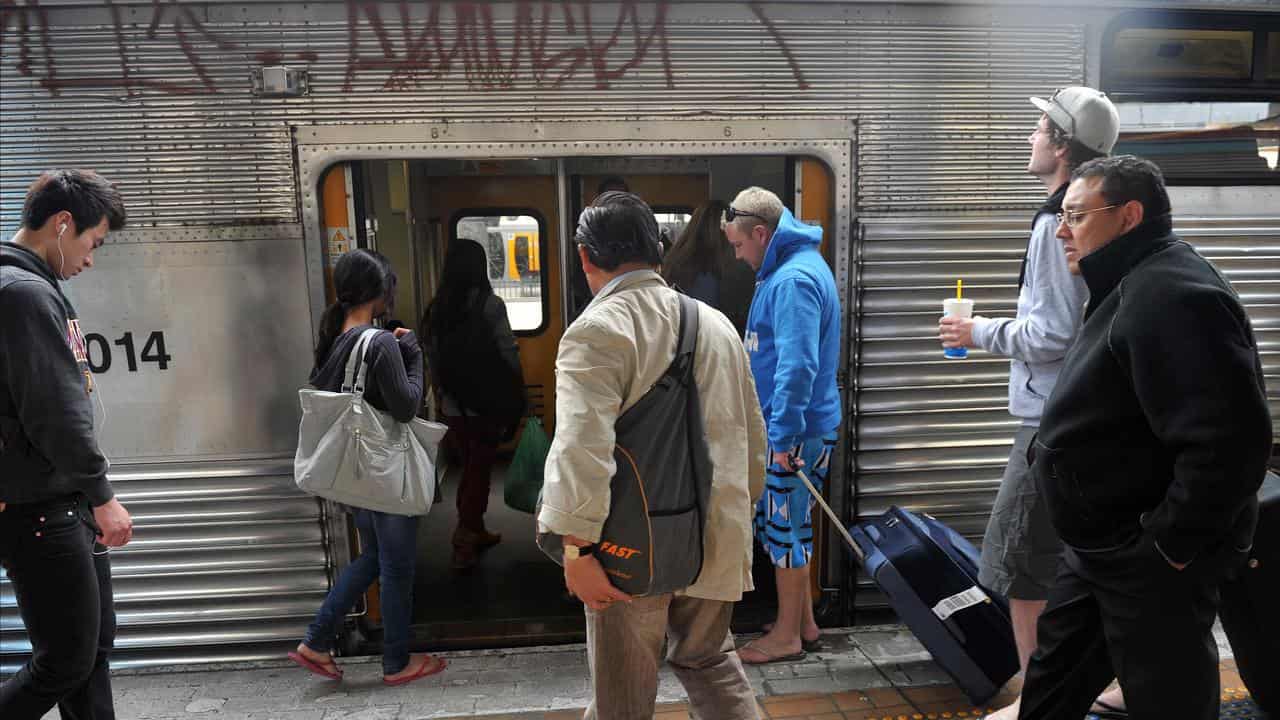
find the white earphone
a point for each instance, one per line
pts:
(62, 259)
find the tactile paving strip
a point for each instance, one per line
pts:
(1236, 705)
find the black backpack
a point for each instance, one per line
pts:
(651, 542)
(474, 373)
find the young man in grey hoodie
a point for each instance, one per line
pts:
(1020, 549)
(58, 514)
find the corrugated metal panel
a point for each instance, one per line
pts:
(934, 434)
(227, 563)
(942, 108)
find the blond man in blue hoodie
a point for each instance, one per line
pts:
(793, 339)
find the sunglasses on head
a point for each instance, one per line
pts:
(731, 214)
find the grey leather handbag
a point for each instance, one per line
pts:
(351, 452)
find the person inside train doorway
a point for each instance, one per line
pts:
(1020, 549)
(1150, 452)
(702, 265)
(475, 366)
(365, 289)
(793, 338)
(58, 514)
(607, 361)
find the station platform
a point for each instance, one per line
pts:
(863, 673)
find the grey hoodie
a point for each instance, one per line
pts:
(47, 444)
(1050, 306)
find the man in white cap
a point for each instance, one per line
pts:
(1020, 550)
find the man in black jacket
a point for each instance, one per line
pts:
(58, 514)
(1151, 449)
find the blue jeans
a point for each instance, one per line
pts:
(390, 543)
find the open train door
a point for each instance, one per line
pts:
(485, 181)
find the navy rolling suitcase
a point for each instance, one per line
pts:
(930, 575)
(1249, 605)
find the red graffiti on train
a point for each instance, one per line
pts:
(423, 53)
(543, 45)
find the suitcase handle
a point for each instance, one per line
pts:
(844, 532)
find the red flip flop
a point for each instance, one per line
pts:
(430, 666)
(317, 668)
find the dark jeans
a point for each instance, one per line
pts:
(389, 552)
(62, 580)
(1126, 613)
(476, 440)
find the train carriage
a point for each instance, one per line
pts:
(255, 142)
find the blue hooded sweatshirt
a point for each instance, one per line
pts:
(793, 336)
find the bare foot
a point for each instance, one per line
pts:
(322, 660)
(419, 664)
(768, 648)
(1008, 712)
(315, 656)
(1110, 700)
(809, 634)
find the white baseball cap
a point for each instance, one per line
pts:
(1085, 114)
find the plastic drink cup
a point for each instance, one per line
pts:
(958, 307)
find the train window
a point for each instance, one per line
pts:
(1211, 142)
(511, 241)
(1197, 93)
(1173, 53)
(671, 220)
(1273, 56)
(1192, 55)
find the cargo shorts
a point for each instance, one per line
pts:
(1020, 549)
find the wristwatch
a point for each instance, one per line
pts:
(573, 552)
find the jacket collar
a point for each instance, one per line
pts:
(1104, 268)
(1053, 206)
(1053, 203)
(13, 254)
(790, 237)
(626, 281)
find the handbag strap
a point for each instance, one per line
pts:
(357, 364)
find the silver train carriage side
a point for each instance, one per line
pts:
(257, 141)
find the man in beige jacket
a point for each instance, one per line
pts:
(608, 359)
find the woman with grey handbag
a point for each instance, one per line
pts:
(365, 287)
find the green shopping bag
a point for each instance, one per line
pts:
(524, 478)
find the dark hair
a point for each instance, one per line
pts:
(83, 193)
(360, 276)
(1077, 154)
(702, 247)
(464, 278)
(619, 228)
(613, 182)
(1125, 178)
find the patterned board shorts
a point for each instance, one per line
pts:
(784, 521)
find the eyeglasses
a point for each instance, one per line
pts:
(1072, 218)
(731, 214)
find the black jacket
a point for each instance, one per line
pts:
(1159, 421)
(393, 381)
(47, 444)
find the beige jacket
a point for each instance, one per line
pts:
(608, 359)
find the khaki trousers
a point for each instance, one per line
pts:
(624, 648)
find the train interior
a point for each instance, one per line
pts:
(410, 210)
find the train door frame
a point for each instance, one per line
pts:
(829, 140)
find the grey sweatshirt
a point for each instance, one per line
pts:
(47, 444)
(1050, 306)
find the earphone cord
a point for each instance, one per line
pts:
(62, 260)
